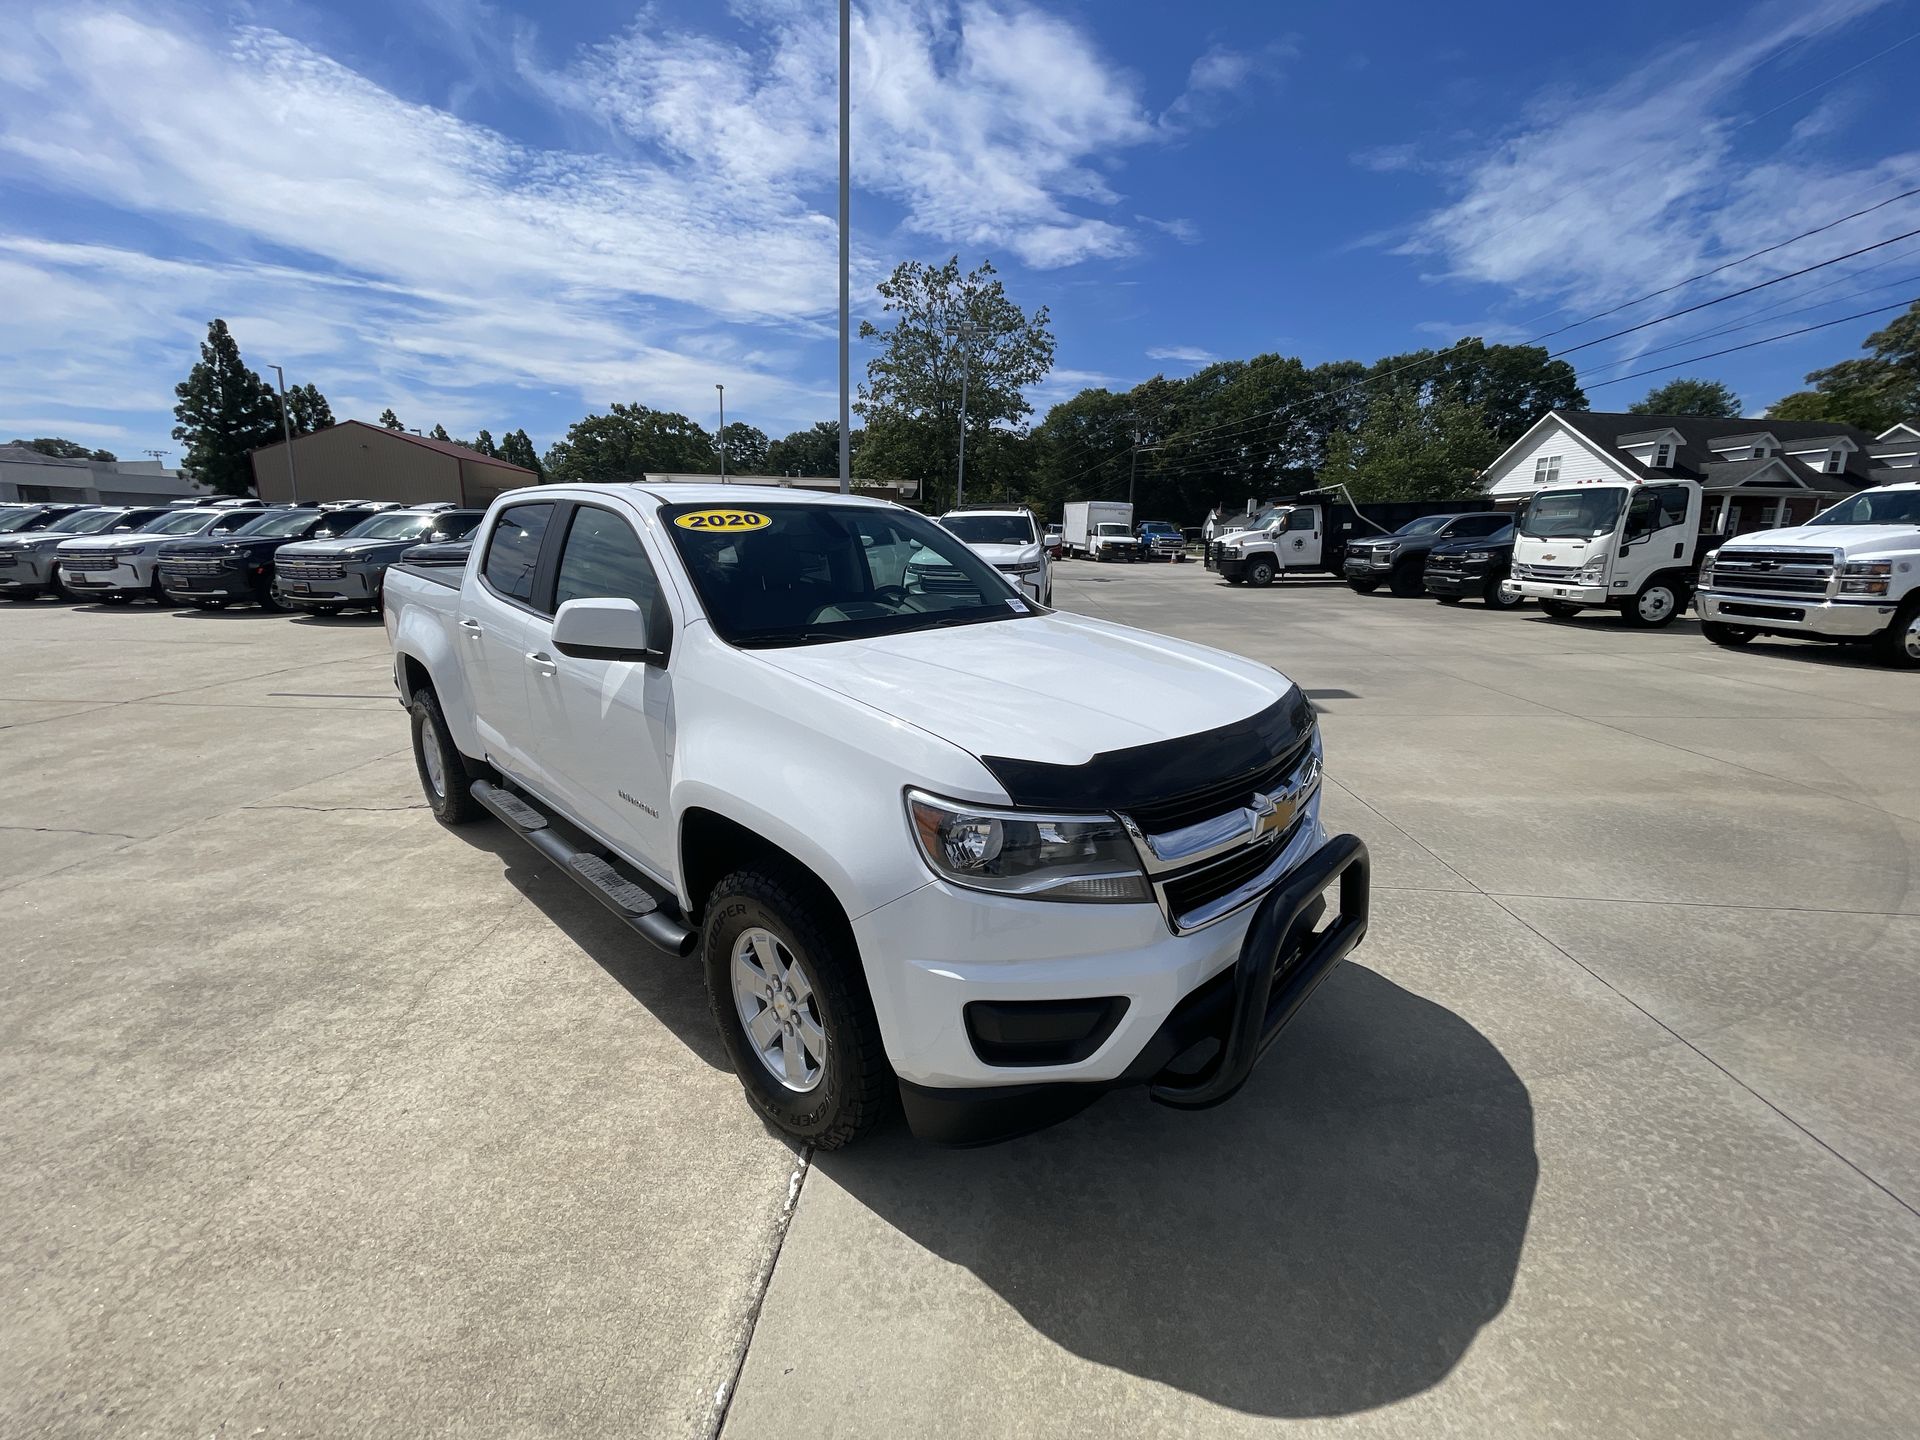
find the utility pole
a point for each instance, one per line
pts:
(1133, 461)
(846, 397)
(286, 429)
(723, 432)
(966, 332)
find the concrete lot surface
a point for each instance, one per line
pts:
(322, 1120)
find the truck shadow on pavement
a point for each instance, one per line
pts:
(671, 989)
(1331, 1240)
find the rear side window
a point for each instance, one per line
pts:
(513, 550)
(603, 560)
(1474, 525)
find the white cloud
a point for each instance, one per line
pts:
(1185, 231)
(400, 254)
(1387, 159)
(1597, 197)
(1186, 354)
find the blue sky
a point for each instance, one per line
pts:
(495, 216)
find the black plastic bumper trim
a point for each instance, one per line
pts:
(1241, 1012)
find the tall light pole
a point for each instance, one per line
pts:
(846, 396)
(286, 429)
(723, 432)
(966, 332)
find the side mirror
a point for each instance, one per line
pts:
(605, 629)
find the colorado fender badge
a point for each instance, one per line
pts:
(725, 521)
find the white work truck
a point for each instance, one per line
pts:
(935, 843)
(1100, 530)
(1615, 544)
(1851, 574)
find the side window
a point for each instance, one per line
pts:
(602, 558)
(1300, 520)
(1670, 506)
(513, 550)
(1475, 525)
(1641, 511)
(234, 521)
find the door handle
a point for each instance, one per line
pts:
(541, 661)
(472, 627)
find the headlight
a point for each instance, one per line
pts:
(1706, 570)
(1232, 552)
(1086, 858)
(1594, 571)
(1477, 555)
(1032, 568)
(1866, 577)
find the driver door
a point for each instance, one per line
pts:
(1299, 543)
(1661, 519)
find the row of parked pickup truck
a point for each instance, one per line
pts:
(323, 558)
(1850, 575)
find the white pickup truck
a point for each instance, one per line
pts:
(936, 843)
(1851, 574)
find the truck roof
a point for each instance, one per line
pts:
(680, 493)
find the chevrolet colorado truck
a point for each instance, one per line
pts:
(1850, 574)
(946, 848)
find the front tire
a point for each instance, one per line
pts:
(1559, 609)
(1899, 644)
(443, 769)
(791, 1002)
(1448, 599)
(1731, 636)
(1260, 574)
(1363, 587)
(1657, 606)
(1498, 599)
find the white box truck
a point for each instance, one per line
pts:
(1101, 530)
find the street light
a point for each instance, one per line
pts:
(723, 432)
(846, 406)
(286, 429)
(966, 332)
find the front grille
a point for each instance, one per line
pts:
(1559, 573)
(7, 557)
(1445, 563)
(312, 569)
(1773, 572)
(1219, 797)
(174, 569)
(1187, 893)
(88, 564)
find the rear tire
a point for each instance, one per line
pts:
(1498, 599)
(1559, 609)
(443, 769)
(786, 925)
(1899, 644)
(1731, 636)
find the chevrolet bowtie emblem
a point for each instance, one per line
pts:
(1270, 814)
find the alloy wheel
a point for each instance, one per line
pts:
(778, 1010)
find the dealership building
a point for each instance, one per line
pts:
(357, 461)
(26, 474)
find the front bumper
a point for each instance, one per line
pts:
(1200, 1049)
(1115, 552)
(1572, 594)
(1366, 563)
(1228, 567)
(129, 577)
(221, 585)
(27, 572)
(1834, 619)
(1456, 582)
(352, 588)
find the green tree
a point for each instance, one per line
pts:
(517, 449)
(628, 442)
(1407, 450)
(225, 411)
(913, 387)
(389, 420)
(1688, 396)
(439, 432)
(815, 451)
(308, 410)
(483, 442)
(57, 449)
(1872, 393)
(747, 450)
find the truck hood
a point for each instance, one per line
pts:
(1007, 554)
(1234, 537)
(344, 549)
(1852, 540)
(1058, 689)
(107, 544)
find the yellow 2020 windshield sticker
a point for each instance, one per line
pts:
(724, 521)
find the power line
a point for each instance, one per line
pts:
(1786, 335)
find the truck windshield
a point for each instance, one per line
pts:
(85, 522)
(787, 574)
(1874, 507)
(391, 527)
(277, 524)
(1570, 514)
(1111, 530)
(180, 522)
(1425, 525)
(991, 529)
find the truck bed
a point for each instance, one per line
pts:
(447, 575)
